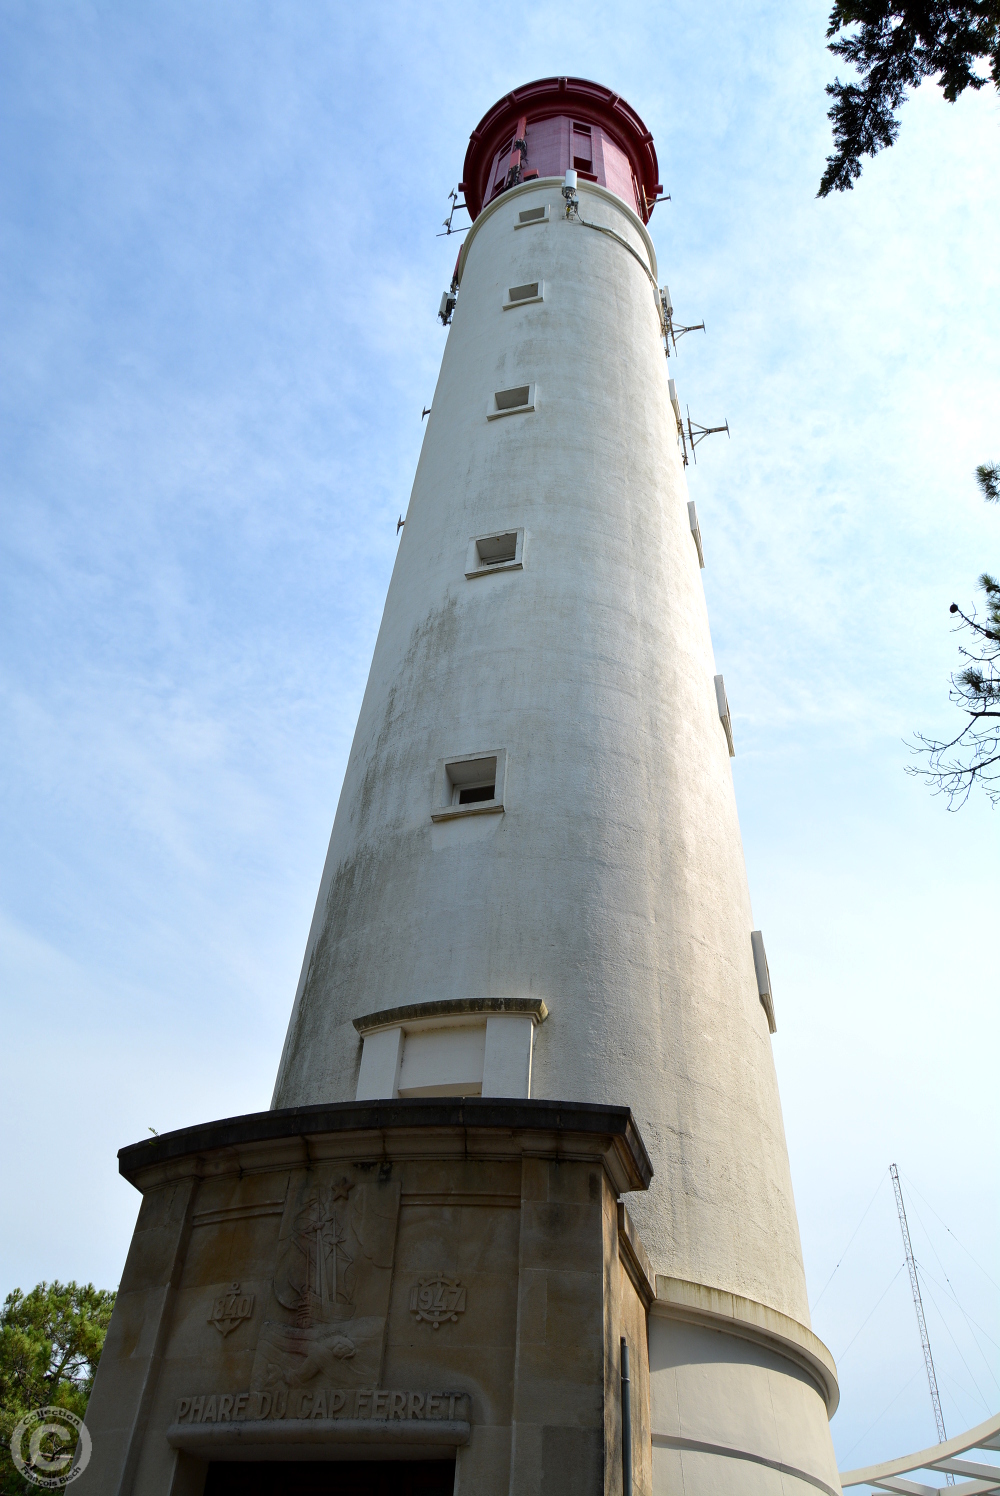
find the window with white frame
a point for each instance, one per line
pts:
(529, 294)
(469, 784)
(511, 402)
(502, 550)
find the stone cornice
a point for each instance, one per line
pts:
(459, 1007)
(412, 1127)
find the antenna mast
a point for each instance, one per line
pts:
(918, 1305)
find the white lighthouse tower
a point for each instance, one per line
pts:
(539, 804)
(528, 1076)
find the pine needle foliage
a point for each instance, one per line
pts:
(988, 478)
(897, 44)
(50, 1343)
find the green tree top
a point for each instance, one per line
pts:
(897, 44)
(50, 1343)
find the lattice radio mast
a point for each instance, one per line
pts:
(918, 1305)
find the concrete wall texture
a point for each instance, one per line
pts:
(613, 883)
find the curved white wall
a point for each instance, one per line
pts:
(728, 1415)
(613, 883)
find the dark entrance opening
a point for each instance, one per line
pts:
(332, 1478)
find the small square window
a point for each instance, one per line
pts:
(532, 215)
(501, 551)
(515, 401)
(532, 291)
(468, 785)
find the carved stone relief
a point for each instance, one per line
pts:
(437, 1300)
(332, 1275)
(230, 1309)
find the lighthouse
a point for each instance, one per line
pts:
(520, 1218)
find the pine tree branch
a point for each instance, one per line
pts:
(899, 43)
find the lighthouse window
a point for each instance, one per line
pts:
(532, 215)
(501, 551)
(524, 295)
(583, 150)
(511, 402)
(469, 785)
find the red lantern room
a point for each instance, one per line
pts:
(557, 125)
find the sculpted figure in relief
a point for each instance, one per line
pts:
(332, 1275)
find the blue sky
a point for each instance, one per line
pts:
(219, 279)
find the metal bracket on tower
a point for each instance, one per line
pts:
(675, 405)
(455, 205)
(698, 433)
(673, 330)
(518, 156)
(677, 330)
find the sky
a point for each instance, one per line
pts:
(219, 270)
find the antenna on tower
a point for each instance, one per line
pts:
(673, 330)
(449, 300)
(446, 310)
(918, 1305)
(455, 206)
(698, 433)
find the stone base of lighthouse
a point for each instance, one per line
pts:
(438, 1285)
(432, 1294)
